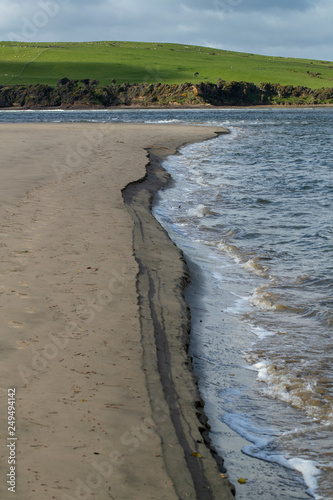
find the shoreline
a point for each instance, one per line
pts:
(185, 403)
(93, 417)
(168, 107)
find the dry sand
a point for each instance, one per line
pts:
(92, 331)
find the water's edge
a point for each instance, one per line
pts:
(165, 323)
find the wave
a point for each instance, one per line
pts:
(254, 266)
(267, 300)
(164, 121)
(302, 392)
(200, 211)
(264, 447)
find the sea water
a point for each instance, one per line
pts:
(252, 212)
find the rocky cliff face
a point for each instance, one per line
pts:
(88, 93)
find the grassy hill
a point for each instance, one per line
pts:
(31, 63)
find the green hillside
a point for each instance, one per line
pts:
(31, 63)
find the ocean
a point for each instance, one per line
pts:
(252, 213)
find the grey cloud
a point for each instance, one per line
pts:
(250, 5)
(296, 28)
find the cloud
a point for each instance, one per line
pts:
(296, 28)
(305, 33)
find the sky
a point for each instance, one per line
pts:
(288, 28)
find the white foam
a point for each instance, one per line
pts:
(262, 368)
(163, 121)
(281, 384)
(253, 266)
(238, 307)
(231, 250)
(309, 470)
(263, 440)
(260, 298)
(261, 332)
(199, 211)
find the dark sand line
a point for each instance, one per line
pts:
(165, 331)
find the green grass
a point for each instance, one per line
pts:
(23, 63)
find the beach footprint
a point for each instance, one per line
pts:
(31, 310)
(22, 344)
(16, 324)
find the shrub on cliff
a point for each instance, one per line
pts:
(61, 82)
(37, 95)
(323, 95)
(73, 92)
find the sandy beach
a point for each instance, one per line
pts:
(94, 323)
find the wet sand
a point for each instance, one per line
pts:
(94, 323)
